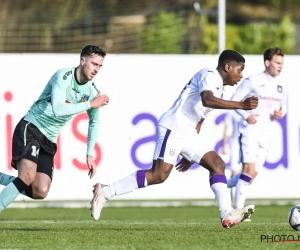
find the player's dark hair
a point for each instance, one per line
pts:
(92, 49)
(228, 56)
(270, 52)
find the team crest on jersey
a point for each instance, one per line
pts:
(172, 152)
(84, 98)
(279, 88)
(67, 74)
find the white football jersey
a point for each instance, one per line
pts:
(272, 94)
(188, 109)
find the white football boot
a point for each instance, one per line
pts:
(236, 216)
(97, 202)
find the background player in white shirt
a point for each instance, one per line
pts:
(177, 128)
(255, 126)
(231, 144)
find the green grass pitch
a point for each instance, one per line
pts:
(143, 228)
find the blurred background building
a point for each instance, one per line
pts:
(148, 27)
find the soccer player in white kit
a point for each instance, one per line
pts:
(255, 126)
(176, 130)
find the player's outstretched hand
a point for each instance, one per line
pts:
(99, 101)
(250, 103)
(183, 165)
(91, 165)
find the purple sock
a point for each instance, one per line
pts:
(245, 178)
(218, 178)
(218, 184)
(140, 178)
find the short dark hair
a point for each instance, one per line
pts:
(270, 52)
(228, 56)
(92, 49)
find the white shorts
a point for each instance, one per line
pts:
(254, 146)
(171, 144)
(195, 149)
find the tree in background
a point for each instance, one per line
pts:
(171, 26)
(165, 31)
(163, 34)
(252, 38)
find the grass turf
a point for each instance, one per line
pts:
(143, 228)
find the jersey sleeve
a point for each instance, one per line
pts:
(93, 129)
(209, 82)
(240, 93)
(58, 98)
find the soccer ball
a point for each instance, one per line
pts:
(294, 217)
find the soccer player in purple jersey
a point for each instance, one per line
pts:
(177, 128)
(69, 91)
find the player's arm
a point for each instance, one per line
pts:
(210, 84)
(93, 130)
(210, 101)
(58, 99)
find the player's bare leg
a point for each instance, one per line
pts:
(159, 172)
(37, 190)
(40, 186)
(26, 175)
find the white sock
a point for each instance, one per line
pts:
(218, 184)
(241, 190)
(126, 185)
(232, 191)
(232, 181)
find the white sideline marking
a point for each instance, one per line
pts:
(136, 203)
